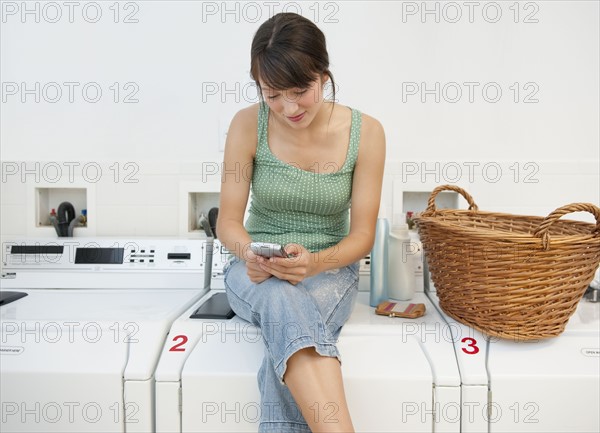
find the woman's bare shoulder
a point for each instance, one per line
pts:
(372, 136)
(371, 125)
(242, 135)
(246, 117)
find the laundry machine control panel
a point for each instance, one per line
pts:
(111, 262)
(217, 261)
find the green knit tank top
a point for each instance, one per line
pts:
(289, 204)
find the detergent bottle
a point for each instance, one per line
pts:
(379, 260)
(401, 274)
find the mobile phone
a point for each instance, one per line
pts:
(267, 249)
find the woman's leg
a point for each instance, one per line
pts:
(292, 319)
(279, 411)
(316, 383)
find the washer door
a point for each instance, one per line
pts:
(545, 386)
(388, 383)
(61, 377)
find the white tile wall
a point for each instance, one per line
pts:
(168, 141)
(157, 205)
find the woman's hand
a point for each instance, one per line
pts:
(294, 269)
(253, 268)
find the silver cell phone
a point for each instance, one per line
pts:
(267, 249)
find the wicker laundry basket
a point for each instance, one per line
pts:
(509, 276)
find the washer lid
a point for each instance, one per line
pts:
(380, 372)
(187, 332)
(546, 385)
(575, 352)
(137, 320)
(430, 331)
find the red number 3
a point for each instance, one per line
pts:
(177, 347)
(471, 348)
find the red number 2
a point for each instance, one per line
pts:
(472, 344)
(177, 347)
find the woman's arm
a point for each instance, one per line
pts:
(366, 196)
(236, 176)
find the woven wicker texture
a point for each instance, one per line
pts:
(509, 276)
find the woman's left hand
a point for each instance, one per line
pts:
(294, 268)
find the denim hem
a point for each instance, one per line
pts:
(283, 427)
(303, 343)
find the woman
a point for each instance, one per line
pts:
(305, 159)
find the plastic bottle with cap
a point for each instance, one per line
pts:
(379, 260)
(401, 273)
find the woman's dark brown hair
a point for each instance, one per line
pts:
(289, 51)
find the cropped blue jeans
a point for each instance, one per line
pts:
(291, 317)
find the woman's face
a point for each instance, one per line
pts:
(296, 107)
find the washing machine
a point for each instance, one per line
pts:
(549, 385)
(399, 374)
(83, 322)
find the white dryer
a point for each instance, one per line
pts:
(399, 374)
(550, 385)
(78, 352)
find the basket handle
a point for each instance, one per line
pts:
(431, 204)
(542, 230)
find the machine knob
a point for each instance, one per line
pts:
(592, 294)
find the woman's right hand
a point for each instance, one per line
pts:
(253, 269)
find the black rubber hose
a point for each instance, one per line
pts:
(205, 225)
(64, 215)
(212, 220)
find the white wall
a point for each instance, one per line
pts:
(181, 70)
